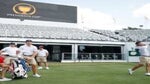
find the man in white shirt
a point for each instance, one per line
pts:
(29, 52)
(42, 57)
(12, 52)
(144, 58)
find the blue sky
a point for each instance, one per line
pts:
(120, 12)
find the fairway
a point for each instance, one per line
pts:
(86, 73)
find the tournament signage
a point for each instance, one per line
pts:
(24, 9)
(134, 53)
(37, 11)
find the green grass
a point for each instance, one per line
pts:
(86, 73)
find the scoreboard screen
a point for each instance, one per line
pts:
(18, 9)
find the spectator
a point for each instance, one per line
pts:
(42, 57)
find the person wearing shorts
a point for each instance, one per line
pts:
(3, 68)
(42, 57)
(144, 58)
(29, 52)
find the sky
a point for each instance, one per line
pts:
(109, 14)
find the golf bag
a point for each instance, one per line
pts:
(19, 69)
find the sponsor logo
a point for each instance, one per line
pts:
(24, 9)
(133, 53)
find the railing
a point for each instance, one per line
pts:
(92, 56)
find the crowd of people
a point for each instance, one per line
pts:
(29, 52)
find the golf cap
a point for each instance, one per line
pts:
(41, 46)
(12, 43)
(28, 40)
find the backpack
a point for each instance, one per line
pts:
(19, 69)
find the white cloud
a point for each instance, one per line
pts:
(97, 20)
(143, 11)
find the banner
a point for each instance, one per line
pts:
(37, 11)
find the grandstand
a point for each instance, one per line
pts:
(72, 36)
(109, 34)
(49, 32)
(64, 33)
(125, 35)
(135, 35)
(73, 44)
(52, 32)
(74, 39)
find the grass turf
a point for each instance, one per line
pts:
(86, 73)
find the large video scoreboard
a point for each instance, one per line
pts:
(23, 10)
